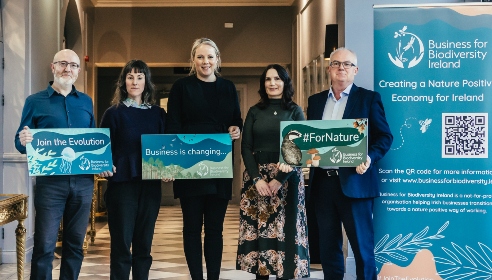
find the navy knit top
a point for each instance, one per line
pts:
(126, 125)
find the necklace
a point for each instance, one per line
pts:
(275, 113)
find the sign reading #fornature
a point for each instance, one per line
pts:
(186, 156)
(341, 143)
(69, 151)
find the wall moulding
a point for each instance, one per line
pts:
(188, 3)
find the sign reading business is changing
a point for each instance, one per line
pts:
(324, 142)
(68, 151)
(186, 156)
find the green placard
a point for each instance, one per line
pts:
(186, 156)
(331, 143)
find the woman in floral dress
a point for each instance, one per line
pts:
(273, 226)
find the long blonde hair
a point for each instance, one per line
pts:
(196, 44)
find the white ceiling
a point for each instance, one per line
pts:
(189, 3)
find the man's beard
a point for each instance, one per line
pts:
(64, 80)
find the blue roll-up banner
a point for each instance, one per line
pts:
(433, 68)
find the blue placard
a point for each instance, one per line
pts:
(69, 151)
(324, 142)
(186, 156)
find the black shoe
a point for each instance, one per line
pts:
(262, 277)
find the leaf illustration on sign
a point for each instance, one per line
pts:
(400, 245)
(466, 262)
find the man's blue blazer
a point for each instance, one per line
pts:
(361, 103)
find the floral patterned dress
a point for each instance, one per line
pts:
(273, 230)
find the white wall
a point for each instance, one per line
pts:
(261, 35)
(310, 25)
(1, 107)
(14, 178)
(28, 51)
(314, 19)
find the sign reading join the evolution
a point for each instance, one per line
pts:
(69, 151)
(324, 143)
(186, 156)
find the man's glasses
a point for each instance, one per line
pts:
(64, 64)
(337, 64)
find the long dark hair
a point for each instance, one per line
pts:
(287, 94)
(138, 66)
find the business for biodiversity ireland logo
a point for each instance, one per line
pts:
(409, 49)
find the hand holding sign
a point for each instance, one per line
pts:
(25, 136)
(284, 167)
(234, 132)
(108, 173)
(362, 168)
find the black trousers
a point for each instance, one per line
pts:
(208, 211)
(132, 212)
(332, 209)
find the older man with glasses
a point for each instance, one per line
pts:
(67, 196)
(345, 195)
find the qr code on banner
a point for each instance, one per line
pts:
(465, 135)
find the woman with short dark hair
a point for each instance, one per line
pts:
(132, 203)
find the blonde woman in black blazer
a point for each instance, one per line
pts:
(203, 103)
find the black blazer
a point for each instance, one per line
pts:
(190, 113)
(361, 103)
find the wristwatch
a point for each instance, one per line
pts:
(255, 180)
